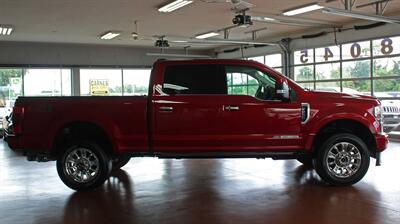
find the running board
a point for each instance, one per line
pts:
(231, 155)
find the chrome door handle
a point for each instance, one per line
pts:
(166, 109)
(231, 108)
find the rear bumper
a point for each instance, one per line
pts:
(381, 142)
(14, 142)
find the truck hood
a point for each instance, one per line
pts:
(343, 96)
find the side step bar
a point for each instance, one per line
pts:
(230, 155)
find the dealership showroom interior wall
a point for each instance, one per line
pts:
(89, 59)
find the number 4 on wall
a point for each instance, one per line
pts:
(328, 54)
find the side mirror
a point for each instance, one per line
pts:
(282, 90)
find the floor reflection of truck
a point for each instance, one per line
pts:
(391, 108)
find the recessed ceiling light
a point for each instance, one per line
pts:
(302, 9)
(207, 35)
(179, 41)
(6, 30)
(174, 5)
(109, 35)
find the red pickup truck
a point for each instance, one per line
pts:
(197, 109)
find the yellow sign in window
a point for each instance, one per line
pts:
(98, 87)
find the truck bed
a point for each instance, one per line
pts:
(122, 117)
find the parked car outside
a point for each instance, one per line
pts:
(391, 111)
(394, 135)
(5, 110)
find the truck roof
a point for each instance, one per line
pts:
(209, 61)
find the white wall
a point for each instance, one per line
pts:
(50, 54)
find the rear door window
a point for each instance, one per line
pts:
(194, 80)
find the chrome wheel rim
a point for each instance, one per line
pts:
(82, 165)
(343, 160)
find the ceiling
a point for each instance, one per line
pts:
(81, 22)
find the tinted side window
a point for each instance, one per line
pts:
(194, 79)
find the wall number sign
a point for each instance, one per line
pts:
(356, 51)
(386, 46)
(304, 56)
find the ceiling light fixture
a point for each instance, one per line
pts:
(207, 35)
(110, 35)
(174, 6)
(346, 13)
(268, 19)
(134, 35)
(218, 41)
(293, 21)
(6, 30)
(180, 41)
(302, 9)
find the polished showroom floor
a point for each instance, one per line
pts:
(150, 190)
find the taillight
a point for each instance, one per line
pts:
(17, 117)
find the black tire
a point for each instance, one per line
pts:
(91, 161)
(120, 161)
(307, 162)
(342, 160)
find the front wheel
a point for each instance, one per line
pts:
(83, 166)
(342, 160)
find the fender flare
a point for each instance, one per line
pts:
(362, 118)
(98, 120)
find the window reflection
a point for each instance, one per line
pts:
(136, 81)
(104, 82)
(360, 66)
(47, 82)
(356, 69)
(304, 73)
(327, 71)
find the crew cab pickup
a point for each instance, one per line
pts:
(202, 109)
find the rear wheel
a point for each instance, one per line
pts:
(342, 160)
(83, 166)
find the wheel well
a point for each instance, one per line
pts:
(345, 126)
(81, 131)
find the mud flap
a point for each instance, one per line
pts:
(378, 159)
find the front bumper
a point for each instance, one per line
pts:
(381, 142)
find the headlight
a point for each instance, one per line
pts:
(379, 118)
(378, 112)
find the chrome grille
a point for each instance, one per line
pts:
(391, 109)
